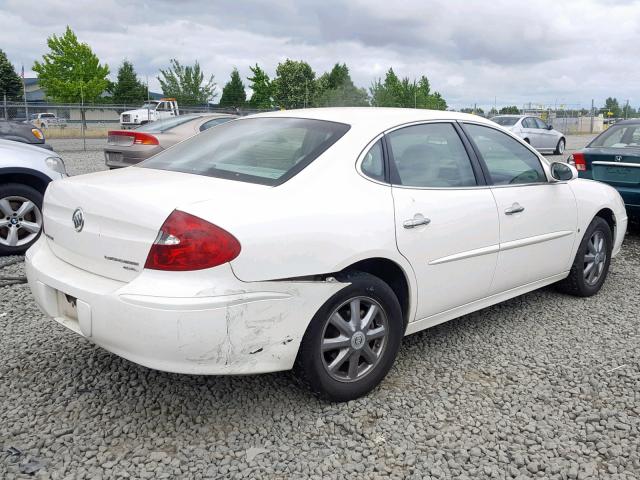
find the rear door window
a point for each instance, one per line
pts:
(430, 155)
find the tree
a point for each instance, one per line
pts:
(187, 84)
(394, 92)
(336, 89)
(128, 89)
(10, 83)
(294, 85)
(611, 105)
(473, 110)
(233, 93)
(511, 110)
(71, 72)
(262, 89)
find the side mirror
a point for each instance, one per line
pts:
(563, 172)
(549, 127)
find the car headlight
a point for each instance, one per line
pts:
(56, 164)
(37, 133)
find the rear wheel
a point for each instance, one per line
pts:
(591, 265)
(560, 147)
(20, 217)
(353, 339)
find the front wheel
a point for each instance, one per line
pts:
(560, 147)
(353, 339)
(591, 264)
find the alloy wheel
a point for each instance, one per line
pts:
(595, 258)
(354, 339)
(20, 221)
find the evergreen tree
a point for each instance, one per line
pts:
(128, 89)
(10, 82)
(233, 93)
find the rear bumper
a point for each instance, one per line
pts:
(205, 322)
(125, 157)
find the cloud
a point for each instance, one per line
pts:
(542, 51)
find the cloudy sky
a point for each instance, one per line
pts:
(510, 52)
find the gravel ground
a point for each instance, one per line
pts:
(541, 386)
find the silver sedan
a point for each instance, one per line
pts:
(534, 131)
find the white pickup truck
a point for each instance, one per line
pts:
(151, 111)
(46, 120)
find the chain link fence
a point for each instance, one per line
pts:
(65, 120)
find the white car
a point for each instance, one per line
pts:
(316, 238)
(25, 172)
(535, 132)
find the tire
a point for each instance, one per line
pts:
(560, 147)
(16, 236)
(578, 282)
(372, 357)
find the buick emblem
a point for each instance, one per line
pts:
(618, 158)
(78, 219)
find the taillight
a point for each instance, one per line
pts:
(133, 137)
(186, 242)
(578, 161)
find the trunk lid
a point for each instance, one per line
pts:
(122, 212)
(615, 166)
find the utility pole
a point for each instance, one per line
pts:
(24, 93)
(592, 112)
(82, 117)
(626, 109)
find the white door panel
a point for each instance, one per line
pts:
(454, 256)
(536, 242)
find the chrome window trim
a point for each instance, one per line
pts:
(544, 162)
(616, 164)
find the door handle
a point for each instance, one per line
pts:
(416, 221)
(515, 208)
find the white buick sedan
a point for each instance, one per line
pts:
(315, 239)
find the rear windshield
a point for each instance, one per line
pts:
(505, 121)
(619, 136)
(160, 126)
(268, 151)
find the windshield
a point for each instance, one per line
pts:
(149, 106)
(505, 121)
(47, 115)
(618, 136)
(166, 124)
(268, 151)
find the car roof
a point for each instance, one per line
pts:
(375, 118)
